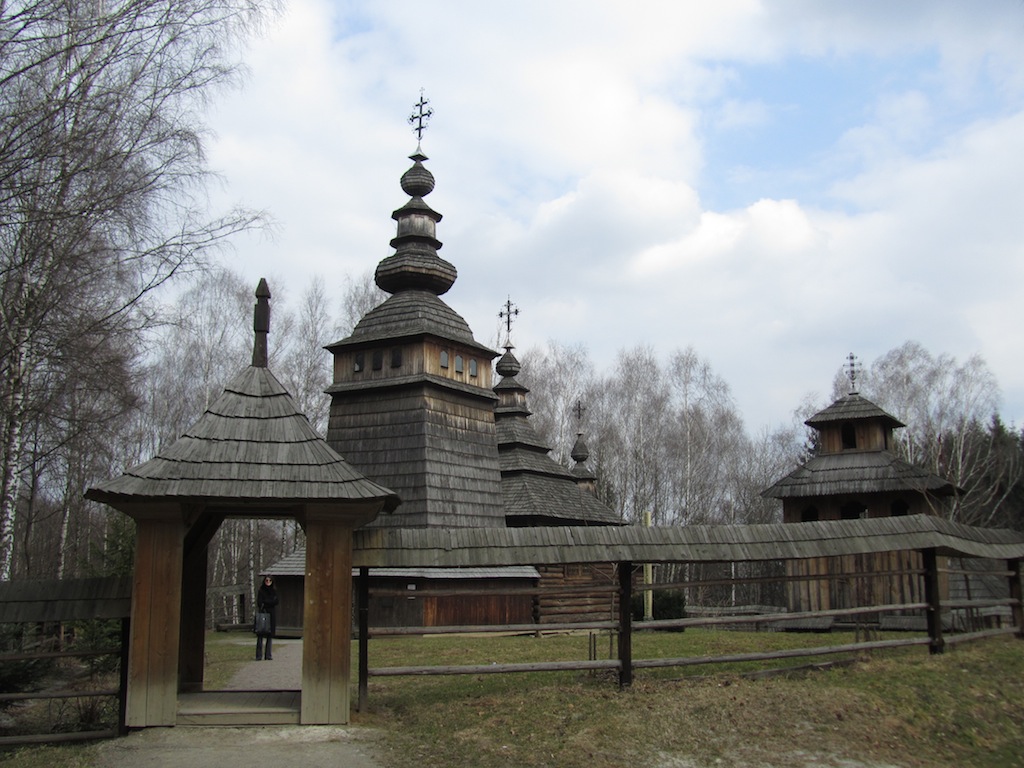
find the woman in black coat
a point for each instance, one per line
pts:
(266, 602)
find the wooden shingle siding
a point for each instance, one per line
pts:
(433, 445)
(252, 445)
(855, 472)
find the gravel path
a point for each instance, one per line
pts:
(315, 746)
(284, 673)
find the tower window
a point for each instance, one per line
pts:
(809, 515)
(899, 508)
(378, 359)
(849, 435)
(458, 363)
(358, 363)
(396, 357)
(853, 511)
(472, 367)
(444, 358)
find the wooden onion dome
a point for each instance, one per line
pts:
(580, 453)
(411, 401)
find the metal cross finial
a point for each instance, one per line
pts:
(853, 367)
(420, 117)
(579, 409)
(507, 314)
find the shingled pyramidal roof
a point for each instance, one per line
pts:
(252, 447)
(848, 469)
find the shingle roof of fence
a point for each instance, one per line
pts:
(706, 543)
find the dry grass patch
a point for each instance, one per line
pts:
(898, 708)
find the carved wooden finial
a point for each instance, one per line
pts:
(261, 324)
(507, 314)
(420, 117)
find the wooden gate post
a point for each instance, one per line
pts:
(364, 637)
(152, 697)
(625, 624)
(933, 597)
(1017, 595)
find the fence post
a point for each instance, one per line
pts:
(625, 624)
(1017, 595)
(934, 600)
(363, 608)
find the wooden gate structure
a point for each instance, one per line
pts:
(252, 454)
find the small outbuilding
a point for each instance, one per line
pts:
(856, 476)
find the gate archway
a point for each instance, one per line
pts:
(253, 453)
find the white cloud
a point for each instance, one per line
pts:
(568, 160)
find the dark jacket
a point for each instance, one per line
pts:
(266, 600)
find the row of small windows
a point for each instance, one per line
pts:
(854, 511)
(377, 361)
(459, 365)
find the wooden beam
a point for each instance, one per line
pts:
(327, 624)
(625, 624)
(152, 697)
(933, 596)
(1017, 596)
(364, 638)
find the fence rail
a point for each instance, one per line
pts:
(58, 603)
(926, 580)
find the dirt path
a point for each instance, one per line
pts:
(316, 746)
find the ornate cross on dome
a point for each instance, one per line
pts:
(420, 117)
(579, 409)
(507, 314)
(853, 367)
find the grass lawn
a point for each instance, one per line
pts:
(897, 707)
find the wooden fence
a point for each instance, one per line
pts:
(44, 608)
(934, 618)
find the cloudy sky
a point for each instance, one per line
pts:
(776, 184)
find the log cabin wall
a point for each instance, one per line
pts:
(833, 582)
(555, 608)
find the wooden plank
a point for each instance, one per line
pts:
(56, 738)
(788, 653)
(327, 622)
(494, 669)
(65, 600)
(485, 628)
(156, 611)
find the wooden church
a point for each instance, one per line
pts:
(854, 476)
(415, 408)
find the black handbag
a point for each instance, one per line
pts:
(261, 623)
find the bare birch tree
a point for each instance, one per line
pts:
(101, 182)
(560, 378)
